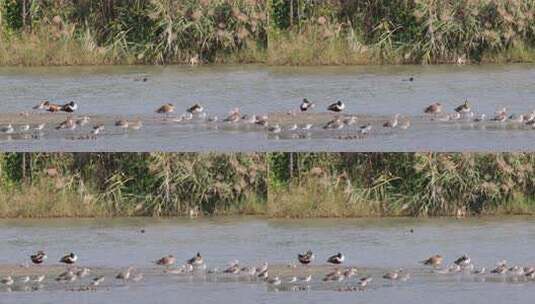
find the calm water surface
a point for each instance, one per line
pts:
(375, 90)
(379, 243)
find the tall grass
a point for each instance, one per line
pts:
(415, 184)
(401, 31)
(154, 184)
(139, 31)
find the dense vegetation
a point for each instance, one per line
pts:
(401, 31)
(419, 184)
(42, 32)
(107, 184)
(58, 32)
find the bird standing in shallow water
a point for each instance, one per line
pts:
(166, 109)
(338, 106)
(306, 105)
(39, 257)
(71, 258)
(196, 260)
(336, 259)
(166, 260)
(434, 260)
(195, 109)
(464, 108)
(306, 258)
(434, 108)
(393, 122)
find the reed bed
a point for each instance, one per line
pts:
(401, 31)
(132, 32)
(399, 184)
(130, 184)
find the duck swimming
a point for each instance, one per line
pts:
(305, 258)
(71, 258)
(306, 105)
(338, 106)
(336, 259)
(434, 108)
(39, 257)
(196, 260)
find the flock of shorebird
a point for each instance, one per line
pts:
(339, 121)
(196, 264)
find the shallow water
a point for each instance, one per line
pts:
(380, 244)
(372, 90)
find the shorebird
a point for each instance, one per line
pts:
(516, 118)
(293, 127)
(166, 260)
(195, 109)
(70, 258)
(24, 128)
(481, 117)
(307, 127)
(365, 129)
(24, 279)
(196, 260)
(434, 108)
(501, 268)
(393, 122)
(464, 108)
(462, 261)
(305, 258)
(125, 275)
(306, 105)
(275, 281)
(41, 105)
(405, 124)
(434, 260)
(336, 259)
(363, 282)
(233, 268)
(166, 109)
(97, 129)
(97, 281)
(350, 120)
(67, 124)
(7, 129)
(39, 257)
(335, 275)
(136, 125)
(275, 129)
(83, 272)
(292, 279)
(69, 107)
(250, 270)
(38, 278)
(481, 270)
(233, 116)
(338, 106)
(393, 275)
(38, 127)
(262, 268)
(123, 124)
(68, 276)
(82, 121)
(8, 281)
(306, 278)
(335, 124)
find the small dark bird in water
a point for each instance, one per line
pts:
(410, 79)
(338, 106)
(69, 259)
(39, 257)
(336, 259)
(306, 105)
(142, 231)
